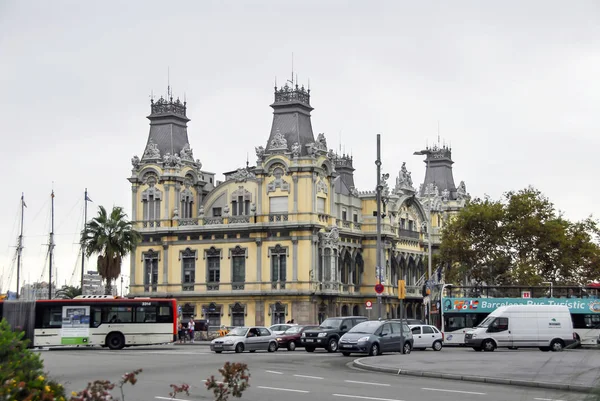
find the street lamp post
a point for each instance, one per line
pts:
(427, 152)
(378, 200)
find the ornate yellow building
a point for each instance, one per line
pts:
(290, 238)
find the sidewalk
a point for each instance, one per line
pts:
(571, 370)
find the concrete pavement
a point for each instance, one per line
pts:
(293, 376)
(571, 370)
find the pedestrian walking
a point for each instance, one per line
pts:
(191, 328)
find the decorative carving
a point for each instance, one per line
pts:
(260, 152)
(331, 238)
(404, 180)
(332, 156)
(278, 183)
(445, 195)
(242, 175)
(278, 142)
(168, 106)
(289, 93)
(187, 153)
(253, 208)
(461, 191)
(354, 191)
(135, 162)
(226, 211)
(322, 187)
(322, 141)
(198, 165)
(201, 211)
(170, 160)
(431, 190)
(296, 149)
(151, 151)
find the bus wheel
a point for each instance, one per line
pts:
(115, 341)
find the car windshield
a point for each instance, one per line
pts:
(366, 327)
(487, 321)
(293, 329)
(331, 324)
(238, 331)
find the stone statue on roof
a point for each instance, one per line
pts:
(187, 153)
(260, 152)
(461, 191)
(278, 141)
(296, 149)
(151, 151)
(135, 162)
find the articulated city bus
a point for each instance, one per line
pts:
(455, 310)
(105, 321)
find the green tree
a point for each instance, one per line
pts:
(112, 237)
(520, 239)
(68, 292)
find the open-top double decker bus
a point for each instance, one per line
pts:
(94, 320)
(455, 310)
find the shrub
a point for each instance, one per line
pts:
(21, 370)
(235, 381)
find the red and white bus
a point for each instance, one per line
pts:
(105, 321)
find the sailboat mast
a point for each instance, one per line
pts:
(85, 201)
(20, 245)
(51, 250)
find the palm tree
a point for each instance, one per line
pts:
(68, 292)
(112, 237)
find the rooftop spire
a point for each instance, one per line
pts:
(291, 118)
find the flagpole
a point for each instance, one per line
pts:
(85, 201)
(20, 247)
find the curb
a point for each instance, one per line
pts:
(480, 379)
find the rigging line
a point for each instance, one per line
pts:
(44, 206)
(75, 269)
(13, 232)
(68, 215)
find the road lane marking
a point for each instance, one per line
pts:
(547, 399)
(274, 372)
(453, 391)
(283, 389)
(372, 384)
(309, 377)
(169, 398)
(365, 398)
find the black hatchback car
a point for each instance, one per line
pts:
(329, 332)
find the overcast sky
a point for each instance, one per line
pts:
(514, 86)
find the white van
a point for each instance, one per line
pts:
(548, 327)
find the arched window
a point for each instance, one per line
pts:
(151, 198)
(187, 203)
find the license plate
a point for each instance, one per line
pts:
(309, 340)
(218, 345)
(346, 346)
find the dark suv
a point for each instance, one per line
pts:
(329, 332)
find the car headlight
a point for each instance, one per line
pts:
(279, 338)
(303, 335)
(363, 339)
(474, 336)
(322, 334)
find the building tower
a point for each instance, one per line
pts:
(167, 185)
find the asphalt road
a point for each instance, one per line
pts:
(293, 376)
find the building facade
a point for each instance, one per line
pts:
(289, 238)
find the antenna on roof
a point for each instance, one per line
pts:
(168, 82)
(247, 160)
(438, 132)
(292, 81)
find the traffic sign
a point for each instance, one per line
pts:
(525, 294)
(369, 305)
(379, 288)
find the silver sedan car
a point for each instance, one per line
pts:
(242, 339)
